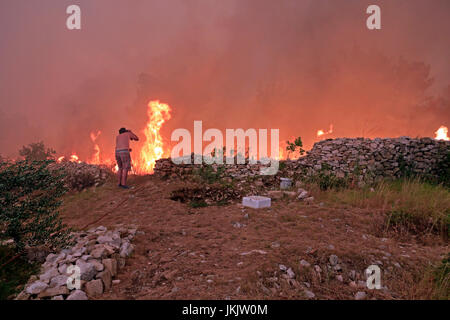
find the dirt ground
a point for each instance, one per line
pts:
(232, 252)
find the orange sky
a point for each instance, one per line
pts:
(297, 65)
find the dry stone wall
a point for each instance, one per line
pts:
(368, 159)
(375, 158)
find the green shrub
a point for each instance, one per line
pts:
(297, 145)
(326, 179)
(37, 152)
(443, 171)
(207, 174)
(29, 199)
(13, 275)
(198, 204)
(441, 277)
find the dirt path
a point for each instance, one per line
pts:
(202, 253)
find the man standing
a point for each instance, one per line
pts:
(123, 155)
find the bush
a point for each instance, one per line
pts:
(297, 145)
(442, 280)
(29, 199)
(326, 179)
(207, 174)
(37, 152)
(443, 171)
(13, 275)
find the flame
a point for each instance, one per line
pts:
(441, 134)
(74, 158)
(96, 157)
(321, 132)
(152, 150)
(158, 113)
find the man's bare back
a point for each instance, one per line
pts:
(123, 140)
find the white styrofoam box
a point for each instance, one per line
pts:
(256, 202)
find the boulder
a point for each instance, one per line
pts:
(94, 288)
(106, 278)
(111, 266)
(87, 270)
(77, 295)
(55, 291)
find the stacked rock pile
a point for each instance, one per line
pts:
(375, 158)
(166, 168)
(86, 270)
(367, 159)
(82, 175)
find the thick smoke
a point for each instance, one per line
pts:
(296, 65)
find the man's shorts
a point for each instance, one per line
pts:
(123, 159)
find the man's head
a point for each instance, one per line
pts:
(122, 130)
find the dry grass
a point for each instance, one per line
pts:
(410, 204)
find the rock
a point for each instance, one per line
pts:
(55, 291)
(104, 239)
(333, 260)
(62, 268)
(275, 194)
(106, 278)
(23, 296)
(53, 272)
(337, 267)
(87, 270)
(282, 267)
(340, 278)
(309, 200)
(117, 281)
(98, 253)
(79, 252)
(360, 295)
(302, 194)
(94, 288)
(290, 273)
(58, 281)
(126, 249)
(51, 258)
(111, 266)
(36, 287)
(77, 295)
(309, 294)
(97, 265)
(305, 263)
(290, 194)
(58, 298)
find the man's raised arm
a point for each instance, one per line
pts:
(133, 136)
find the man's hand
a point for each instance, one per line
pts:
(133, 136)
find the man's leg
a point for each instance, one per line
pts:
(119, 176)
(124, 177)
